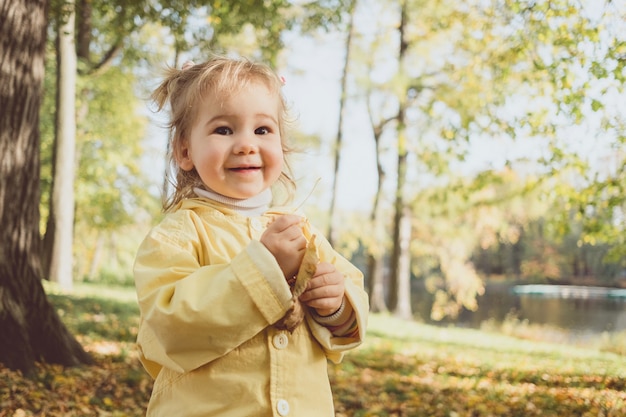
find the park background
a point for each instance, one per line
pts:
(455, 152)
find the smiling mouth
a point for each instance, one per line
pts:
(244, 169)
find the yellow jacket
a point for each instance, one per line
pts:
(209, 293)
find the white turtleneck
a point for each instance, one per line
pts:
(249, 207)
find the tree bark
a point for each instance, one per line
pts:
(84, 10)
(402, 303)
(62, 207)
(375, 263)
(31, 328)
(376, 284)
(50, 232)
(339, 138)
(400, 282)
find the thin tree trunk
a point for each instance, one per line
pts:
(375, 264)
(61, 259)
(31, 328)
(339, 138)
(375, 260)
(400, 288)
(403, 308)
(96, 259)
(49, 234)
(376, 284)
(84, 9)
(395, 287)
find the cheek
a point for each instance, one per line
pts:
(211, 167)
(278, 159)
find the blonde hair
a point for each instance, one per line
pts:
(214, 79)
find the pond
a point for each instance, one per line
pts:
(582, 312)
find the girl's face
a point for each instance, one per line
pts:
(235, 144)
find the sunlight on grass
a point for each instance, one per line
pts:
(412, 369)
(80, 289)
(498, 350)
(404, 369)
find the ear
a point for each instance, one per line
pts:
(183, 156)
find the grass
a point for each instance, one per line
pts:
(403, 369)
(421, 370)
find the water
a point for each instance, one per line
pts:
(576, 314)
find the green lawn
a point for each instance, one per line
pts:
(403, 369)
(411, 369)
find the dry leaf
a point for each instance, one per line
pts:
(295, 314)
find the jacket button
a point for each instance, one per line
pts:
(280, 341)
(282, 407)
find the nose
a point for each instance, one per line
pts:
(245, 144)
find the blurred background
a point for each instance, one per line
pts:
(469, 157)
(457, 152)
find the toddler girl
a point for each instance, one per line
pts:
(241, 303)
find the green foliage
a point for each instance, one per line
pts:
(253, 28)
(323, 14)
(580, 54)
(453, 220)
(535, 73)
(112, 191)
(110, 184)
(266, 17)
(107, 256)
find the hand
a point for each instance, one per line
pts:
(284, 239)
(325, 290)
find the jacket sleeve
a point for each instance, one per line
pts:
(355, 294)
(193, 314)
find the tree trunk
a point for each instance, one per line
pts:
(31, 328)
(400, 283)
(94, 265)
(376, 285)
(375, 264)
(84, 9)
(339, 139)
(61, 260)
(402, 307)
(399, 288)
(50, 232)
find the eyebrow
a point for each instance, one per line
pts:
(231, 116)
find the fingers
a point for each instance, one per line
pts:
(324, 268)
(325, 290)
(284, 222)
(319, 289)
(287, 227)
(325, 276)
(285, 240)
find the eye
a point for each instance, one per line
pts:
(223, 130)
(262, 131)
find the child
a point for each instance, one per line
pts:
(219, 279)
